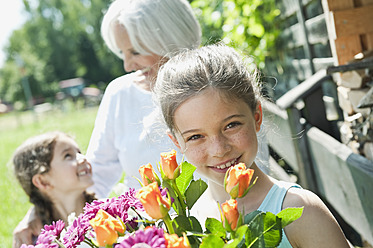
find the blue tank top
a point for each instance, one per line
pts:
(273, 203)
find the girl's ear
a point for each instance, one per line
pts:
(173, 138)
(258, 116)
(40, 182)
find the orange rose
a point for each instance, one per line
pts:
(169, 165)
(237, 180)
(174, 241)
(106, 228)
(148, 174)
(155, 205)
(230, 212)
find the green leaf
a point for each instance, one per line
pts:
(212, 241)
(239, 240)
(264, 230)
(289, 215)
(194, 191)
(184, 224)
(250, 216)
(176, 204)
(196, 226)
(216, 227)
(185, 177)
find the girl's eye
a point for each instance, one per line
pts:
(233, 124)
(194, 137)
(68, 155)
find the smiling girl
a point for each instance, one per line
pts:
(210, 102)
(54, 174)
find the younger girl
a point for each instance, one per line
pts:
(211, 105)
(54, 174)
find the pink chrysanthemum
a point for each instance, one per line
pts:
(151, 237)
(50, 232)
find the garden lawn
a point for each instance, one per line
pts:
(16, 128)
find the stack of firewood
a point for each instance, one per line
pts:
(350, 30)
(355, 95)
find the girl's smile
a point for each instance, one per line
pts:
(216, 132)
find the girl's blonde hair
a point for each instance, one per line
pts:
(34, 157)
(161, 27)
(191, 72)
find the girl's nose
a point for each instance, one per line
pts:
(220, 146)
(80, 158)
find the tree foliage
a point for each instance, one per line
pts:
(61, 39)
(245, 25)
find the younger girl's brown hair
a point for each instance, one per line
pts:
(34, 157)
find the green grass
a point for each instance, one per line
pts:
(14, 129)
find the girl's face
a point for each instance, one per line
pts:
(216, 133)
(70, 171)
(134, 61)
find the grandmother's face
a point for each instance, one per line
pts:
(133, 60)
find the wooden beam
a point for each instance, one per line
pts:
(359, 3)
(333, 5)
(353, 21)
(346, 48)
(367, 40)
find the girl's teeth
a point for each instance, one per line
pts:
(82, 173)
(228, 164)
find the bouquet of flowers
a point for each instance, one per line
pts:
(144, 218)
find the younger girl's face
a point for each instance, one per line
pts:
(216, 133)
(70, 171)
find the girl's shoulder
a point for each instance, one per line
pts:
(316, 221)
(299, 197)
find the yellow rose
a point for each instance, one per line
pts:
(155, 205)
(106, 228)
(237, 180)
(230, 213)
(169, 165)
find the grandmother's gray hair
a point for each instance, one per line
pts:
(161, 27)
(191, 72)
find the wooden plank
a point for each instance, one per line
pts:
(316, 30)
(333, 5)
(302, 90)
(345, 180)
(279, 135)
(288, 8)
(367, 41)
(322, 63)
(302, 68)
(359, 3)
(346, 48)
(353, 21)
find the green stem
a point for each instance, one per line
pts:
(168, 222)
(89, 242)
(179, 196)
(59, 243)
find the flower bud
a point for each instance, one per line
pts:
(169, 165)
(106, 228)
(237, 180)
(155, 205)
(148, 174)
(230, 212)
